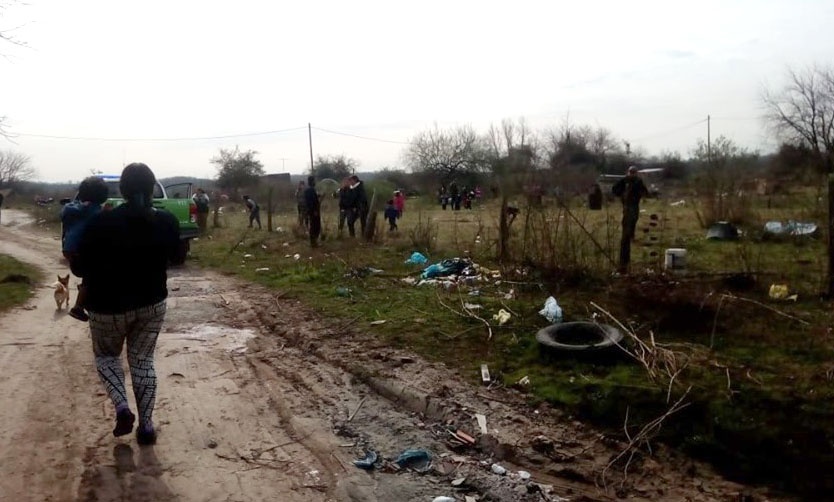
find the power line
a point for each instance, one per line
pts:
(670, 131)
(368, 138)
(198, 138)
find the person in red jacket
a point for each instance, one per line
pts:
(399, 203)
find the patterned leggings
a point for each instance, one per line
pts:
(140, 328)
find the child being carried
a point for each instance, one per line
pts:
(92, 193)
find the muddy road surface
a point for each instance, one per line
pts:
(261, 400)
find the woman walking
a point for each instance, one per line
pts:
(123, 258)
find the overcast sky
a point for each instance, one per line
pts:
(647, 70)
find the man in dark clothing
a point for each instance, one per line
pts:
(254, 210)
(312, 205)
(357, 203)
(343, 195)
(201, 200)
(630, 190)
(454, 193)
(123, 256)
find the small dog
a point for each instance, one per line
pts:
(62, 294)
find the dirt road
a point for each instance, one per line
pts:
(261, 400)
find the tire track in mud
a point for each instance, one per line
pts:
(405, 394)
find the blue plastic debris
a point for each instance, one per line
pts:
(453, 266)
(417, 459)
(417, 259)
(367, 462)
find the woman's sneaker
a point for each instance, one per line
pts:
(124, 422)
(145, 435)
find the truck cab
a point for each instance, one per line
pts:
(176, 199)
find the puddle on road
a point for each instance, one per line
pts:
(15, 218)
(212, 336)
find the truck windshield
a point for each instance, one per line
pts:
(113, 191)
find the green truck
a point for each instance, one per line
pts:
(176, 199)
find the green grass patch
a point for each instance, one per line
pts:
(17, 281)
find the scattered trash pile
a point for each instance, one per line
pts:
(451, 273)
(469, 466)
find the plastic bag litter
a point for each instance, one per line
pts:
(367, 462)
(780, 292)
(551, 311)
(417, 459)
(417, 259)
(452, 266)
(794, 228)
(443, 499)
(497, 469)
(502, 317)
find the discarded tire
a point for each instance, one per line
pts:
(579, 337)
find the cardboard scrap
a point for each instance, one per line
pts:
(485, 373)
(482, 423)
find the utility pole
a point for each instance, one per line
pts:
(310, 136)
(709, 144)
(283, 168)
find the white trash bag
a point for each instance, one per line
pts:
(551, 311)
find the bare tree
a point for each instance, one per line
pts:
(510, 136)
(14, 167)
(447, 153)
(802, 112)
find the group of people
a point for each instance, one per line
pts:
(135, 243)
(457, 197)
(353, 206)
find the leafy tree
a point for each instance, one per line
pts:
(14, 167)
(336, 167)
(236, 169)
(447, 153)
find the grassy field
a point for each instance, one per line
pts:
(755, 373)
(16, 282)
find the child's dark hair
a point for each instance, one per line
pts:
(93, 189)
(390, 202)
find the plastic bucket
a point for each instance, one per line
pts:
(675, 259)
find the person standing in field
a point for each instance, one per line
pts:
(302, 209)
(132, 244)
(254, 210)
(357, 202)
(201, 200)
(454, 193)
(399, 203)
(344, 203)
(631, 190)
(391, 214)
(312, 206)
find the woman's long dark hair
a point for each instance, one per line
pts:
(137, 184)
